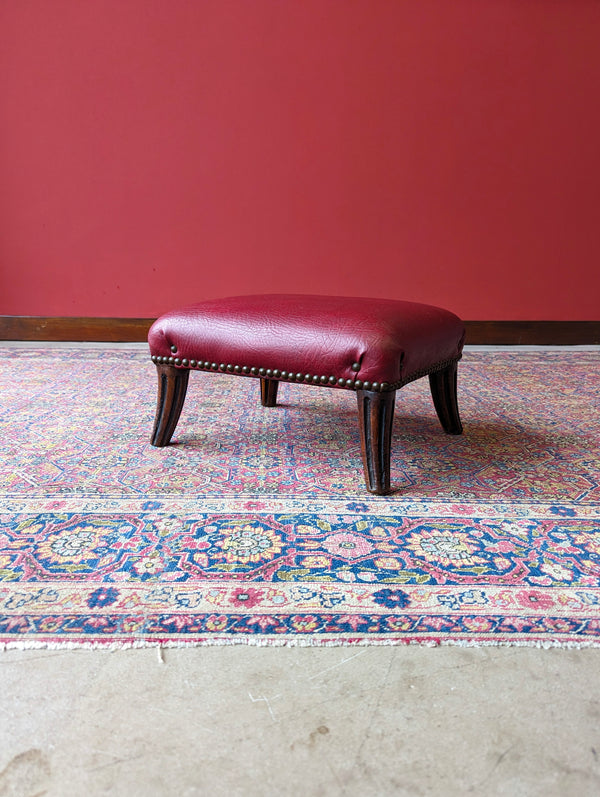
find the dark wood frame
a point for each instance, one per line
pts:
(375, 416)
(485, 333)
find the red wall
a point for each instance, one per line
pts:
(154, 152)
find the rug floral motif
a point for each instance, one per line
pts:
(254, 526)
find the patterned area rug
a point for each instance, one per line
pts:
(255, 527)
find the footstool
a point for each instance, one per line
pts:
(370, 346)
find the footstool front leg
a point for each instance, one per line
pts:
(172, 387)
(375, 418)
(443, 393)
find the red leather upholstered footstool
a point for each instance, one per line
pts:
(371, 346)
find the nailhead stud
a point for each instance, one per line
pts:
(358, 384)
(349, 383)
(366, 385)
(173, 348)
(356, 366)
(375, 386)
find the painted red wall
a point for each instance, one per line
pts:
(154, 152)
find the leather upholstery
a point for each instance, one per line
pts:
(391, 341)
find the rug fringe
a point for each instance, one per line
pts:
(294, 642)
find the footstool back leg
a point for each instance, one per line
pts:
(268, 392)
(172, 387)
(443, 392)
(375, 418)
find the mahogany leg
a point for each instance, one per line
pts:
(443, 392)
(375, 419)
(268, 392)
(172, 387)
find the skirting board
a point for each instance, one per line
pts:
(481, 333)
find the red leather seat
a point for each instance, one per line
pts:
(338, 341)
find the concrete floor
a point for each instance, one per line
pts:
(300, 721)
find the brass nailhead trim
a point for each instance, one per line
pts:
(315, 379)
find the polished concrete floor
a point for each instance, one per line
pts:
(300, 721)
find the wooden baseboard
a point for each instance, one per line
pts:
(112, 330)
(533, 333)
(482, 333)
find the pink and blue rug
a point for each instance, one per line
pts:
(255, 526)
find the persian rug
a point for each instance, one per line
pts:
(254, 526)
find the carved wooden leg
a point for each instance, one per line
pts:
(375, 418)
(443, 392)
(172, 387)
(268, 392)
